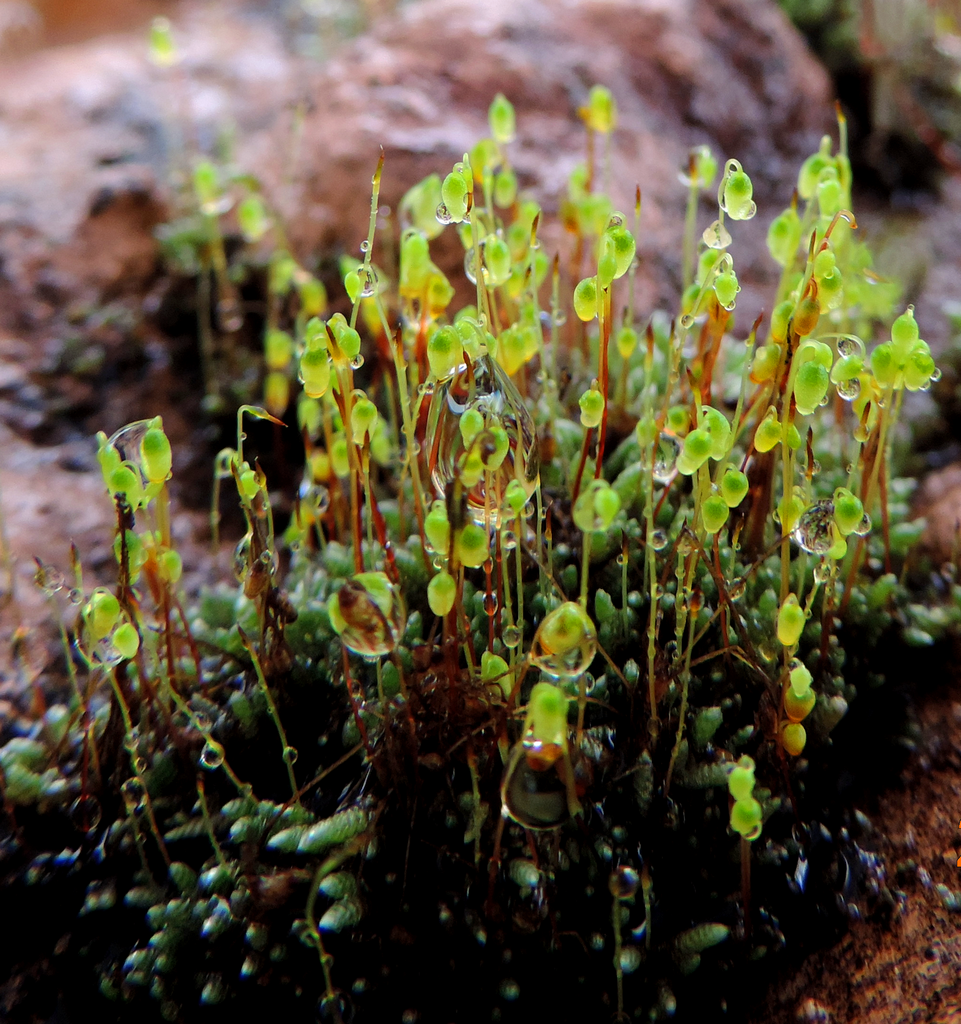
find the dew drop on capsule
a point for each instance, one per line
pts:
(813, 532)
(511, 637)
(211, 757)
(443, 215)
(623, 882)
(85, 812)
(357, 362)
(483, 386)
(849, 389)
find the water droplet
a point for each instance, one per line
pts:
(357, 362)
(427, 388)
(658, 540)
(864, 527)
(438, 562)
(510, 990)
(241, 554)
(470, 266)
(511, 637)
(75, 596)
(665, 457)
(133, 794)
(535, 799)
(443, 215)
(850, 345)
(314, 497)
(935, 375)
(565, 643)
(860, 434)
(559, 318)
(621, 560)
(813, 531)
(335, 1007)
(211, 756)
(490, 605)
(364, 245)
(369, 279)
(370, 614)
(229, 314)
(104, 653)
(630, 959)
(85, 812)
(597, 941)
(290, 755)
(48, 578)
(482, 385)
(623, 882)
(736, 590)
(508, 540)
(815, 467)
(823, 572)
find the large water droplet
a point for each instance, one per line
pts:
(535, 799)
(511, 637)
(850, 345)
(368, 613)
(864, 527)
(658, 540)
(85, 812)
(443, 215)
(665, 457)
(212, 757)
(48, 578)
(623, 882)
(813, 531)
(482, 385)
(565, 643)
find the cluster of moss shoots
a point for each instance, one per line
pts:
(568, 559)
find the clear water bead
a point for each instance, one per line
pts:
(813, 531)
(482, 385)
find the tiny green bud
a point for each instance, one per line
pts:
(726, 288)
(746, 816)
(784, 236)
(810, 386)
(600, 114)
(101, 613)
(437, 528)
(695, 451)
(126, 640)
(473, 546)
(734, 486)
(441, 592)
(592, 407)
(455, 193)
(848, 511)
(714, 513)
(793, 738)
(501, 119)
(768, 433)
(315, 372)
(585, 299)
(505, 188)
(516, 496)
(278, 349)
(626, 342)
(790, 621)
(738, 193)
(740, 781)
(497, 260)
(904, 332)
(471, 424)
(363, 419)
(495, 670)
(445, 352)
(155, 455)
(801, 679)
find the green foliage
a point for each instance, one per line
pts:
(494, 621)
